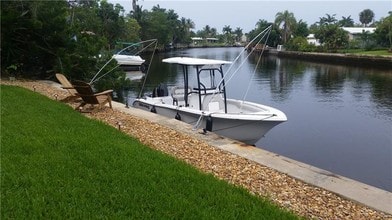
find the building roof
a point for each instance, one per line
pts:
(359, 30)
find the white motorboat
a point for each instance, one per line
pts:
(128, 60)
(206, 106)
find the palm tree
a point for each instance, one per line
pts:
(213, 32)
(287, 20)
(134, 5)
(330, 19)
(238, 34)
(366, 16)
(346, 22)
(185, 27)
(227, 29)
(262, 24)
(227, 32)
(207, 31)
(137, 12)
(189, 24)
(301, 29)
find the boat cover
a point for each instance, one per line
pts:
(194, 61)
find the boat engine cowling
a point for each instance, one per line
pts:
(160, 91)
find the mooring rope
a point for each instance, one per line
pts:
(255, 69)
(148, 68)
(198, 123)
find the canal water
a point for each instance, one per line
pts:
(339, 117)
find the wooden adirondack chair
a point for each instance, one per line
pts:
(95, 100)
(65, 84)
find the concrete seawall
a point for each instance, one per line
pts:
(382, 62)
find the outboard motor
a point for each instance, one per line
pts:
(143, 68)
(160, 91)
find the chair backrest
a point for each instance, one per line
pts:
(65, 83)
(85, 92)
(177, 92)
(213, 103)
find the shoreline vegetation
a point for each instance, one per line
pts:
(56, 152)
(358, 59)
(381, 59)
(37, 47)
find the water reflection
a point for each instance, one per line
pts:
(329, 81)
(339, 117)
(382, 89)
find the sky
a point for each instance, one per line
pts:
(245, 14)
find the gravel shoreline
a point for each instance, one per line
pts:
(287, 192)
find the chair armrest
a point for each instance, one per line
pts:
(104, 92)
(67, 87)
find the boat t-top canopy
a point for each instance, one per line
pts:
(211, 66)
(194, 61)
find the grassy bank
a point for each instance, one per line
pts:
(56, 163)
(370, 52)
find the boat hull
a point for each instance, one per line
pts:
(247, 130)
(133, 68)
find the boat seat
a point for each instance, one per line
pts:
(213, 103)
(178, 95)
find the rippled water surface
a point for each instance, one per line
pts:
(339, 117)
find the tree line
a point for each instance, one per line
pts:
(328, 30)
(76, 37)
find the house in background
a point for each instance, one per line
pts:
(200, 40)
(196, 40)
(212, 40)
(312, 40)
(354, 32)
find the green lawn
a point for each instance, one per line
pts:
(58, 164)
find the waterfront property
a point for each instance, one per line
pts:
(198, 41)
(355, 32)
(290, 193)
(346, 110)
(312, 40)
